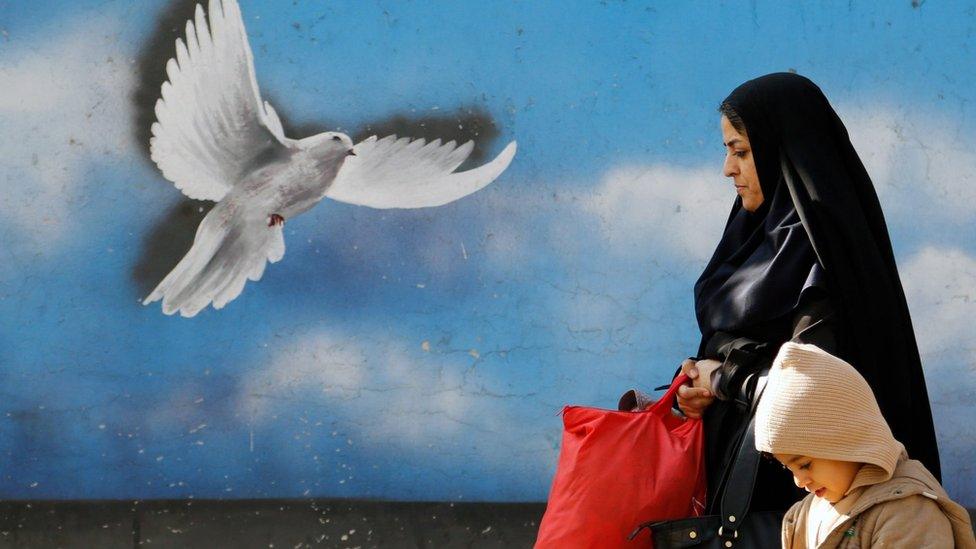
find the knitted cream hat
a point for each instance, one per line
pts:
(817, 405)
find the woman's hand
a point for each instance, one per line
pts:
(694, 399)
(705, 369)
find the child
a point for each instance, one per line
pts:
(818, 417)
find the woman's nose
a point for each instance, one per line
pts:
(729, 169)
(801, 482)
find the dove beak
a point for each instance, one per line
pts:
(351, 153)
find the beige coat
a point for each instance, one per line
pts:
(910, 510)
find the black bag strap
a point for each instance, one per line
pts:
(738, 491)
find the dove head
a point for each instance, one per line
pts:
(333, 144)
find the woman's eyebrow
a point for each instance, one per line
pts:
(732, 142)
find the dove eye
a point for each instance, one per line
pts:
(336, 138)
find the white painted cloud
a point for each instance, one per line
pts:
(64, 107)
(922, 164)
(660, 208)
(378, 377)
(421, 401)
(316, 365)
(940, 285)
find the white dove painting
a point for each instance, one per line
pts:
(217, 140)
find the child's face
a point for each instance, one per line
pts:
(826, 478)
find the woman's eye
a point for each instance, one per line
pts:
(806, 465)
(740, 154)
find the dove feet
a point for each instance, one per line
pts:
(276, 220)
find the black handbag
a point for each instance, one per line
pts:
(735, 526)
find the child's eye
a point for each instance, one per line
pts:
(806, 465)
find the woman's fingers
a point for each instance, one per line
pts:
(687, 393)
(694, 410)
(693, 401)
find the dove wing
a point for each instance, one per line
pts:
(212, 124)
(405, 173)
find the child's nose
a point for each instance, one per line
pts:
(801, 482)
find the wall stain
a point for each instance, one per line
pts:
(167, 242)
(151, 66)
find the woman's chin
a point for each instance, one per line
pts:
(750, 205)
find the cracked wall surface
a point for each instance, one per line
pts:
(425, 354)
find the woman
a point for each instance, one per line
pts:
(805, 256)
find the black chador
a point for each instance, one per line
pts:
(812, 264)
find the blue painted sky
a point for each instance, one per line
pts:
(424, 354)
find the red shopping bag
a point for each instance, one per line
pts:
(620, 469)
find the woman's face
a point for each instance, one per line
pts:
(740, 165)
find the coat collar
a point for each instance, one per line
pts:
(910, 478)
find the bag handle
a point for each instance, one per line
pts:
(663, 404)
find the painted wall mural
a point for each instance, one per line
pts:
(216, 140)
(408, 352)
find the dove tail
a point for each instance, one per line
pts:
(227, 251)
